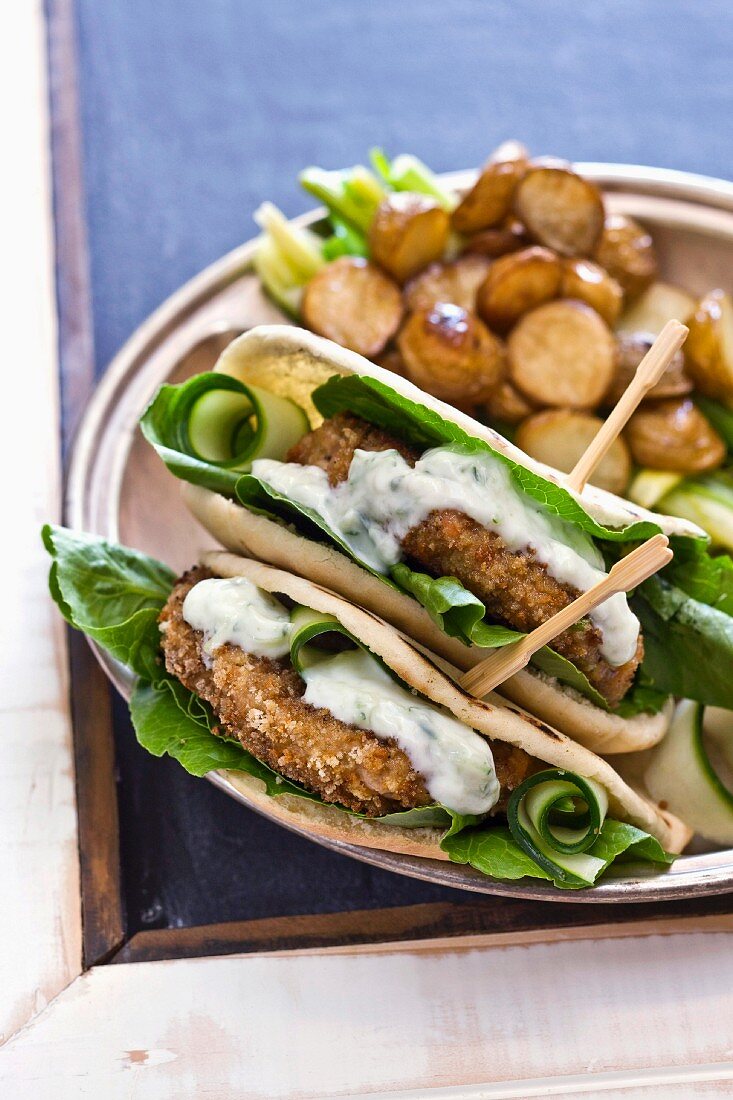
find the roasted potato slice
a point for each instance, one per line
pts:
(505, 403)
(408, 232)
(490, 199)
(391, 359)
(562, 354)
(558, 437)
(456, 282)
(632, 347)
(353, 303)
(709, 347)
(559, 208)
(516, 284)
(674, 435)
(661, 302)
(510, 236)
(627, 252)
(588, 282)
(449, 352)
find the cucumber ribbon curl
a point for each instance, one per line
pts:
(555, 816)
(216, 420)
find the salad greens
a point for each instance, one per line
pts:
(114, 595)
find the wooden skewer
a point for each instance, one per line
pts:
(625, 574)
(648, 373)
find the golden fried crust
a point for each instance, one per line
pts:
(516, 588)
(259, 701)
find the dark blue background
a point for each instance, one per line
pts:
(194, 111)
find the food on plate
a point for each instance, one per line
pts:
(709, 347)
(449, 351)
(559, 208)
(324, 717)
(626, 251)
(516, 284)
(673, 434)
(562, 354)
(691, 771)
(558, 437)
(556, 242)
(505, 407)
(631, 347)
(588, 282)
(455, 283)
(408, 233)
(489, 202)
(354, 303)
(659, 303)
(440, 525)
(510, 236)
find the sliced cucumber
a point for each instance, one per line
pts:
(556, 816)
(707, 502)
(649, 486)
(681, 773)
(222, 421)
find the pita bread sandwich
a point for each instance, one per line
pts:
(326, 719)
(297, 452)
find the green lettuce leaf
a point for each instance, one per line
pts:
(113, 594)
(163, 423)
(453, 608)
(688, 644)
(381, 405)
(493, 851)
(703, 577)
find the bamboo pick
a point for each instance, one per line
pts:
(648, 373)
(625, 574)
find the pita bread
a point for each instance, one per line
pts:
(491, 717)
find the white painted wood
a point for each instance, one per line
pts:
(39, 913)
(305, 1026)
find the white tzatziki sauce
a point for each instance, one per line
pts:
(383, 498)
(455, 761)
(234, 611)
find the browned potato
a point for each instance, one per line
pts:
(674, 435)
(392, 360)
(516, 284)
(506, 403)
(455, 282)
(408, 233)
(353, 303)
(559, 208)
(659, 303)
(558, 437)
(626, 251)
(632, 347)
(562, 354)
(709, 347)
(449, 352)
(490, 199)
(508, 237)
(588, 282)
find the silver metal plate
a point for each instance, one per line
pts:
(118, 488)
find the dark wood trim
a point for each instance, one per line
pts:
(73, 289)
(503, 920)
(96, 805)
(102, 912)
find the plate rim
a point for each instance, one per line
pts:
(704, 874)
